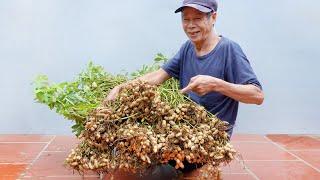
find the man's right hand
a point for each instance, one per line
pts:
(156, 77)
(112, 94)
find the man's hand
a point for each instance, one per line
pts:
(202, 84)
(153, 78)
(245, 93)
(112, 94)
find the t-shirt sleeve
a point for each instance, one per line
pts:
(172, 67)
(239, 70)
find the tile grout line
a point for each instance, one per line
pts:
(284, 149)
(242, 163)
(314, 137)
(297, 150)
(37, 157)
(252, 173)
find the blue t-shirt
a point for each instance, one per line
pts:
(226, 61)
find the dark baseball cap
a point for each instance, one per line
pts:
(201, 5)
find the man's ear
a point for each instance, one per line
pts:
(214, 17)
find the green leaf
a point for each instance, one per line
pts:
(76, 99)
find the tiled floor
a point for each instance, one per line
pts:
(260, 157)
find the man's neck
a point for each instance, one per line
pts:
(206, 46)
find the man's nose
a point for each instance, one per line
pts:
(191, 24)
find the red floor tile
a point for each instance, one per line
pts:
(248, 137)
(8, 178)
(63, 143)
(317, 137)
(201, 172)
(279, 170)
(120, 176)
(262, 157)
(237, 177)
(19, 152)
(195, 174)
(295, 142)
(61, 178)
(52, 164)
(25, 138)
(235, 166)
(311, 157)
(11, 171)
(261, 151)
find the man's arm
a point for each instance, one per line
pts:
(153, 78)
(249, 93)
(203, 84)
(156, 77)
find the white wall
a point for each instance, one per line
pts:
(58, 37)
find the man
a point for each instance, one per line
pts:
(212, 70)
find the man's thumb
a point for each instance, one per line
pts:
(186, 89)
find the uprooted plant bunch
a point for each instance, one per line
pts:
(145, 125)
(139, 129)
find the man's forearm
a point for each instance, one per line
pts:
(249, 94)
(153, 78)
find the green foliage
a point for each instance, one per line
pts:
(76, 99)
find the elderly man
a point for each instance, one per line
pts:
(212, 70)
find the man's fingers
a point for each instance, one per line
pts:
(110, 98)
(112, 95)
(191, 84)
(187, 89)
(106, 100)
(193, 78)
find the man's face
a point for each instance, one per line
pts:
(196, 24)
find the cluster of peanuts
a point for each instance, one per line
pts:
(139, 129)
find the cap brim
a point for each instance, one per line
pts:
(196, 6)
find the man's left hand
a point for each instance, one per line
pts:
(202, 84)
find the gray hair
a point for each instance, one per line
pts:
(209, 14)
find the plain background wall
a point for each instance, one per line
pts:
(59, 37)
